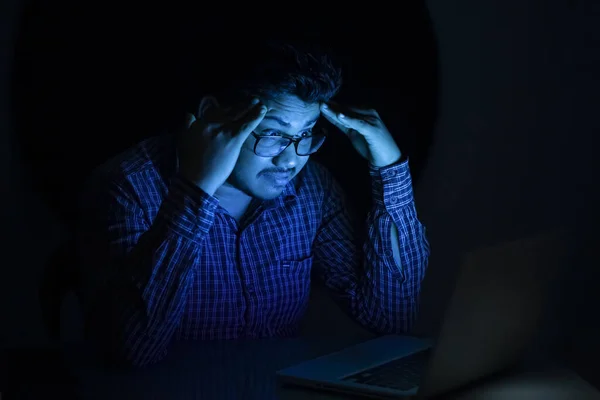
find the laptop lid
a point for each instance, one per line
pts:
(494, 311)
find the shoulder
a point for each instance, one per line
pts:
(143, 167)
(147, 155)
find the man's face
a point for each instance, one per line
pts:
(265, 177)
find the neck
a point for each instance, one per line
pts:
(233, 200)
(229, 194)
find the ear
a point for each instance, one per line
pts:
(207, 103)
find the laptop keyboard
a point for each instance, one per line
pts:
(400, 374)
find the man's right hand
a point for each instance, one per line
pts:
(210, 147)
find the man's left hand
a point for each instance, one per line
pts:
(366, 131)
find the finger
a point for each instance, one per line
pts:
(242, 109)
(189, 120)
(332, 117)
(337, 108)
(346, 117)
(225, 114)
(365, 112)
(349, 122)
(249, 121)
(358, 124)
(368, 114)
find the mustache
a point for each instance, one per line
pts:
(279, 171)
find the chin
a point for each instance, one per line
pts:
(267, 193)
(261, 190)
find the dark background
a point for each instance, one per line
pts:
(100, 80)
(495, 104)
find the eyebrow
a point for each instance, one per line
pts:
(287, 124)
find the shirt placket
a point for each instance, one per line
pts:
(249, 276)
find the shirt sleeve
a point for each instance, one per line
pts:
(364, 277)
(136, 272)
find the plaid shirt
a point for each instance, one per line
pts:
(163, 261)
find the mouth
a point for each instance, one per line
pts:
(278, 179)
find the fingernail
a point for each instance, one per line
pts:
(341, 116)
(263, 109)
(255, 101)
(325, 106)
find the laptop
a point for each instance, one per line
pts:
(491, 319)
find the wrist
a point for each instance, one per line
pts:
(205, 185)
(208, 188)
(387, 163)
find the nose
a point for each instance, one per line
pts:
(288, 159)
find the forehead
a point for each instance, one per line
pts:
(290, 110)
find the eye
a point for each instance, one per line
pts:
(270, 133)
(306, 133)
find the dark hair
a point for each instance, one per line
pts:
(269, 69)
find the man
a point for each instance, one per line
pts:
(213, 234)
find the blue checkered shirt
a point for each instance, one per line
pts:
(162, 261)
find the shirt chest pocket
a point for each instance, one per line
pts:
(299, 266)
(288, 272)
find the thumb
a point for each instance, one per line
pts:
(189, 120)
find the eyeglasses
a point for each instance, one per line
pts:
(272, 146)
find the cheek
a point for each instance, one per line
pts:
(301, 164)
(248, 163)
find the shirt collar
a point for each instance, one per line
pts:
(288, 194)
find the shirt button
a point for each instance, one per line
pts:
(394, 200)
(389, 253)
(392, 173)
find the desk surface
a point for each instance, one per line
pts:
(246, 371)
